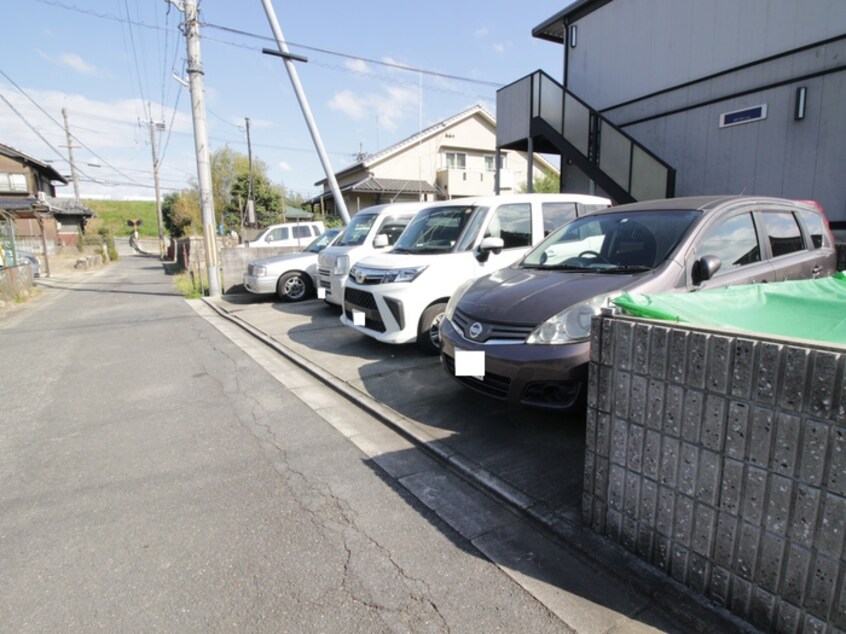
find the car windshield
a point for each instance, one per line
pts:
(356, 232)
(435, 230)
(322, 241)
(613, 242)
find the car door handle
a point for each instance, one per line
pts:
(816, 270)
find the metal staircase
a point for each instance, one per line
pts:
(537, 114)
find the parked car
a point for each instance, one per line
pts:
(371, 230)
(292, 276)
(399, 297)
(19, 258)
(288, 234)
(533, 320)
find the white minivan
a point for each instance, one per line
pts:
(400, 296)
(372, 229)
(289, 234)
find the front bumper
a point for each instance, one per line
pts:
(260, 285)
(544, 376)
(386, 316)
(332, 285)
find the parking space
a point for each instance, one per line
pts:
(540, 455)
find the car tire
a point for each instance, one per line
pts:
(428, 337)
(293, 287)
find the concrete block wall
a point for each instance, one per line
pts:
(721, 459)
(14, 280)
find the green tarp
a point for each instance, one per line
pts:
(806, 309)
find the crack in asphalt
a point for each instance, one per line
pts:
(399, 599)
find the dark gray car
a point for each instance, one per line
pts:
(532, 320)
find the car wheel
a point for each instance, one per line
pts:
(428, 335)
(293, 287)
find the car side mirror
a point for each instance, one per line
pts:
(380, 241)
(705, 268)
(489, 245)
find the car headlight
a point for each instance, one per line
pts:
(456, 297)
(259, 271)
(342, 265)
(571, 325)
(402, 275)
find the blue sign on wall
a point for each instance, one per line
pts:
(746, 115)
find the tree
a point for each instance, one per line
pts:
(546, 184)
(181, 213)
(267, 197)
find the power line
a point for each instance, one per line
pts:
(403, 67)
(393, 65)
(50, 117)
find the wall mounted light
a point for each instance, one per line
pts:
(573, 35)
(799, 109)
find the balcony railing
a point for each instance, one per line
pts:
(538, 106)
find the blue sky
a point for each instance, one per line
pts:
(104, 60)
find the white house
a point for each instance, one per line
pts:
(453, 158)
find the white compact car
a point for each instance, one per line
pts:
(292, 276)
(372, 229)
(400, 296)
(288, 234)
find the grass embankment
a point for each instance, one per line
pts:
(113, 215)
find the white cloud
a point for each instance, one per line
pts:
(108, 134)
(72, 61)
(481, 32)
(285, 166)
(389, 108)
(357, 66)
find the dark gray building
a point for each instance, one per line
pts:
(682, 97)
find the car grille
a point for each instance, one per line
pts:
(363, 301)
(321, 273)
(491, 384)
(369, 278)
(491, 331)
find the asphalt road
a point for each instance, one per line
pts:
(160, 470)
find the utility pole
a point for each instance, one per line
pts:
(70, 147)
(283, 52)
(201, 140)
(251, 205)
(157, 125)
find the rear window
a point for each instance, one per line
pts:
(302, 231)
(783, 232)
(814, 225)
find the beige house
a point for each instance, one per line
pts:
(451, 159)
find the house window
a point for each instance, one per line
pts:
(13, 183)
(490, 161)
(456, 160)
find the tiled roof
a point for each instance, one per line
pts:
(69, 207)
(392, 186)
(17, 203)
